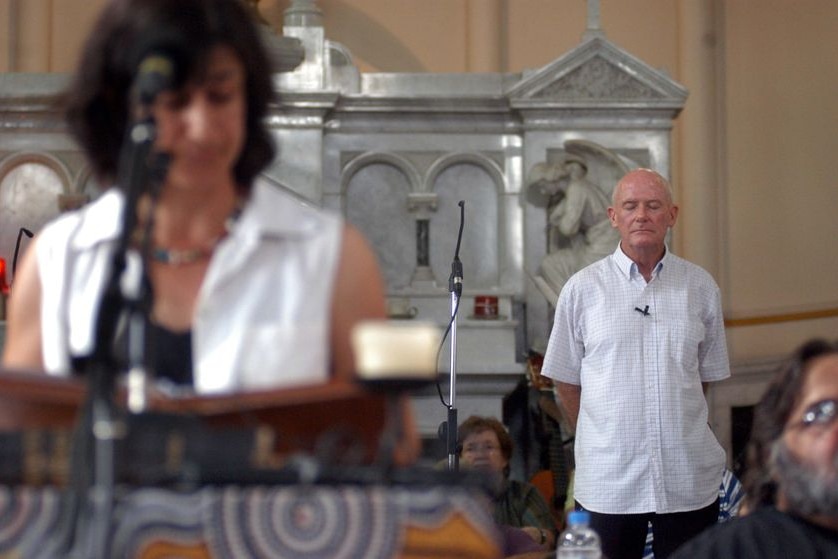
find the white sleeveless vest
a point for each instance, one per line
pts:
(263, 312)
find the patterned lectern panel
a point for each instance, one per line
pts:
(265, 522)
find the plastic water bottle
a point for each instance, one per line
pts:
(579, 541)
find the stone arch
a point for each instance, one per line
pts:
(364, 160)
(376, 188)
(18, 159)
(31, 185)
(478, 159)
(479, 181)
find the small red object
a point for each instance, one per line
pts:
(4, 287)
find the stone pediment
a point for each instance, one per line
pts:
(597, 73)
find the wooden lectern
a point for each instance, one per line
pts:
(280, 422)
(274, 518)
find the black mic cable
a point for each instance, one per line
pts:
(23, 231)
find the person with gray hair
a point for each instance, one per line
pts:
(636, 336)
(791, 480)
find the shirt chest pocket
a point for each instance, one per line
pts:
(683, 339)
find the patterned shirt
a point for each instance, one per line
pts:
(521, 505)
(640, 352)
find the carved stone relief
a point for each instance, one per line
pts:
(598, 79)
(575, 189)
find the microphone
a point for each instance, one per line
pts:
(160, 62)
(644, 312)
(455, 280)
(157, 72)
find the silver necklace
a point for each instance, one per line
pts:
(183, 257)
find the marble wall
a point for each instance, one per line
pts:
(395, 154)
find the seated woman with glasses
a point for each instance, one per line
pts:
(485, 444)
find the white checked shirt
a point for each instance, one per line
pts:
(642, 440)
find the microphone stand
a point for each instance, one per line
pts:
(99, 426)
(455, 286)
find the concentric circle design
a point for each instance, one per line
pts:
(305, 522)
(295, 522)
(147, 516)
(30, 522)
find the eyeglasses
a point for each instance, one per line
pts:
(488, 448)
(820, 413)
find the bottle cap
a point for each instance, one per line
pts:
(579, 517)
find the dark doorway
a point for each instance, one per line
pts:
(741, 419)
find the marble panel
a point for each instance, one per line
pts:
(376, 203)
(481, 231)
(29, 194)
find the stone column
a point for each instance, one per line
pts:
(8, 37)
(32, 35)
(484, 36)
(594, 26)
(303, 20)
(701, 171)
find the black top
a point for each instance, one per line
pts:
(172, 354)
(764, 534)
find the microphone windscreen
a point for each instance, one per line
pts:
(161, 63)
(155, 74)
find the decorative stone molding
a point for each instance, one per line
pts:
(396, 160)
(598, 75)
(479, 159)
(598, 79)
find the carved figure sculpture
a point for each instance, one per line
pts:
(579, 231)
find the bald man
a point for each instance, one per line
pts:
(635, 338)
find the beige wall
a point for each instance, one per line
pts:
(43, 35)
(433, 35)
(781, 165)
(754, 164)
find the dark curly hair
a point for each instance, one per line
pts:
(98, 102)
(771, 415)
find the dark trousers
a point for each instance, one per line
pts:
(624, 535)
